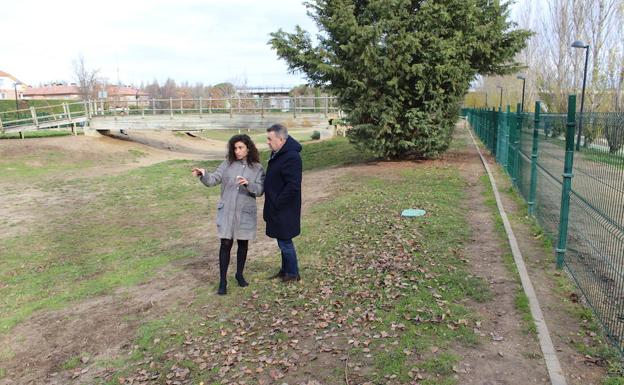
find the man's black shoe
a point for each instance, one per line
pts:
(279, 274)
(291, 278)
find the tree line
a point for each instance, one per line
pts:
(553, 68)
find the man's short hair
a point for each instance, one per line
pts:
(279, 130)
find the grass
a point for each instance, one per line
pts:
(72, 363)
(130, 227)
(404, 273)
(603, 157)
(335, 152)
(122, 230)
(53, 165)
(35, 134)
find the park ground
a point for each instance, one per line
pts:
(108, 271)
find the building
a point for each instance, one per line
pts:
(54, 91)
(115, 94)
(123, 95)
(7, 86)
(275, 97)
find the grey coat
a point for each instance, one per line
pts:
(236, 210)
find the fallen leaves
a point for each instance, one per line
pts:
(353, 305)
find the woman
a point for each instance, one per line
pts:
(242, 180)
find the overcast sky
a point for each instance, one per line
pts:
(209, 41)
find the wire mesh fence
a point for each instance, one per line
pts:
(585, 214)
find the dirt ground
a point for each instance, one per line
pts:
(508, 355)
(21, 202)
(105, 326)
(46, 340)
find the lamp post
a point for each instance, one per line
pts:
(486, 104)
(500, 104)
(523, 78)
(580, 44)
(16, 103)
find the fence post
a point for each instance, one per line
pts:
(567, 182)
(171, 108)
(510, 120)
(210, 105)
(495, 139)
(1, 127)
(68, 111)
(326, 105)
(33, 114)
(200, 106)
(262, 106)
(517, 129)
(533, 187)
(491, 115)
(231, 100)
(153, 106)
(480, 123)
(181, 107)
(505, 141)
(295, 106)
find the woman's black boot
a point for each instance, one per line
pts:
(241, 257)
(224, 261)
(241, 280)
(222, 288)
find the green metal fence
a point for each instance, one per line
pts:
(576, 196)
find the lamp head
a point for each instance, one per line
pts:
(521, 77)
(579, 44)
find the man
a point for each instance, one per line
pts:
(282, 192)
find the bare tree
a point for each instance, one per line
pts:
(600, 23)
(87, 79)
(554, 69)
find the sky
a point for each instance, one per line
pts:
(139, 41)
(210, 41)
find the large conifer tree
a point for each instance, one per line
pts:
(400, 68)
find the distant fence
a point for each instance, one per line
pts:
(60, 114)
(576, 196)
(68, 113)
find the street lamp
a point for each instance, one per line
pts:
(486, 104)
(523, 78)
(580, 44)
(500, 104)
(15, 88)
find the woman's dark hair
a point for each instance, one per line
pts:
(252, 155)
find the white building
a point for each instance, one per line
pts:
(7, 86)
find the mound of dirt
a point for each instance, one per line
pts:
(175, 142)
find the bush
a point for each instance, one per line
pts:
(316, 135)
